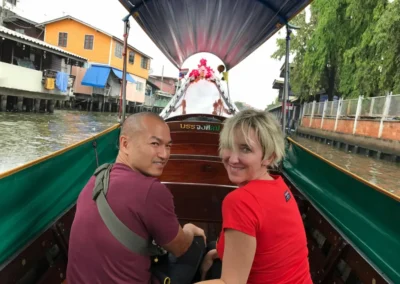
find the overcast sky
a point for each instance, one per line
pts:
(250, 81)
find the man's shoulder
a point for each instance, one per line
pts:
(123, 173)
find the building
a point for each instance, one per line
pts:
(29, 70)
(105, 60)
(293, 103)
(165, 84)
(21, 25)
(159, 91)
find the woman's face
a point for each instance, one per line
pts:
(246, 162)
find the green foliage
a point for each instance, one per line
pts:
(348, 48)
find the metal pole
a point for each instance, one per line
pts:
(124, 56)
(162, 78)
(3, 13)
(286, 91)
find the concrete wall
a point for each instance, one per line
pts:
(365, 127)
(133, 94)
(391, 130)
(26, 82)
(386, 146)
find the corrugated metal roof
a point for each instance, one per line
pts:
(7, 32)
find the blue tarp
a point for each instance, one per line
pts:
(118, 73)
(96, 76)
(229, 29)
(62, 81)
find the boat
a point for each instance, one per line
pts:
(352, 226)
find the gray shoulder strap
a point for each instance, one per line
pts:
(119, 230)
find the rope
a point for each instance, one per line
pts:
(94, 144)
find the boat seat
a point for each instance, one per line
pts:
(329, 253)
(186, 137)
(42, 261)
(324, 243)
(198, 149)
(361, 271)
(198, 202)
(55, 274)
(195, 171)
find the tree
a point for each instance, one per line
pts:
(360, 70)
(240, 105)
(386, 42)
(298, 49)
(349, 48)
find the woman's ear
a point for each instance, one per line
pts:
(267, 162)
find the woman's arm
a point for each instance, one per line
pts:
(239, 252)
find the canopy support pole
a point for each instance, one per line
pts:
(286, 91)
(124, 72)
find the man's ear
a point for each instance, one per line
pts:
(123, 143)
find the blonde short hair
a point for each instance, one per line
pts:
(266, 128)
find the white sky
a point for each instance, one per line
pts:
(250, 81)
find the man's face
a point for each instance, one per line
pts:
(148, 150)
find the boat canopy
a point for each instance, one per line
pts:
(229, 29)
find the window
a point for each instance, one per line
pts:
(131, 57)
(62, 39)
(145, 63)
(118, 50)
(89, 42)
(139, 86)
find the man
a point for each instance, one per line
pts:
(139, 200)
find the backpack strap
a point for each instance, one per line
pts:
(119, 230)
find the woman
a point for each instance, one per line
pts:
(262, 239)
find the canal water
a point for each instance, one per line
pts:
(28, 136)
(379, 172)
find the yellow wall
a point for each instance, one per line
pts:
(76, 39)
(101, 45)
(134, 68)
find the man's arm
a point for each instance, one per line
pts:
(181, 243)
(162, 223)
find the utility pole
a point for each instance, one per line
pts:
(285, 99)
(3, 13)
(162, 78)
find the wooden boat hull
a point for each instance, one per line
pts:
(331, 201)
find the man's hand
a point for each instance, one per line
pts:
(197, 232)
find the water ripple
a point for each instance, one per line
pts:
(28, 136)
(378, 172)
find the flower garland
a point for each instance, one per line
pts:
(203, 72)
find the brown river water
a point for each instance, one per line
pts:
(379, 172)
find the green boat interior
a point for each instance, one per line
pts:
(352, 237)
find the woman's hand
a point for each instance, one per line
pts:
(208, 262)
(239, 252)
